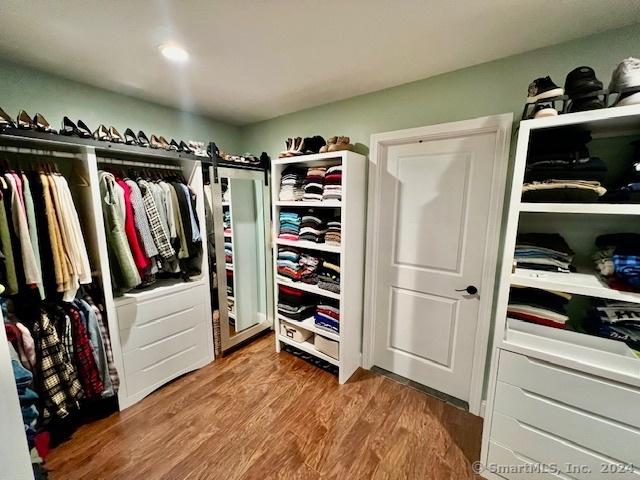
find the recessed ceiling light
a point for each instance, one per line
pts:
(173, 52)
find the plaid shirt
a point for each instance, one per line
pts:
(60, 387)
(106, 341)
(140, 217)
(160, 236)
(83, 355)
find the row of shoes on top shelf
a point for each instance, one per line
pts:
(102, 133)
(316, 144)
(583, 91)
(560, 168)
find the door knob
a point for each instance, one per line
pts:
(471, 290)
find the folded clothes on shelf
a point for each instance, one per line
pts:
(589, 169)
(333, 184)
(334, 232)
(615, 320)
(289, 263)
(327, 316)
(289, 225)
(618, 260)
(295, 304)
(228, 252)
(291, 188)
(568, 191)
(309, 268)
(543, 251)
(312, 227)
(329, 276)
(314, 184)
(543, 307)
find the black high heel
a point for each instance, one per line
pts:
(24, 121)
(115, 135)
(40, 123)
(83, 130)
(143, 141)
(5, 120)
(130, 137)
(173, 145)
(185, 148)
(101, 134)
(68, 127)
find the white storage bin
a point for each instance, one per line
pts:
(326, 346)
(294, 332)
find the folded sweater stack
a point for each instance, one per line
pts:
(289, 225)
(543, 251)
(312, 227)
(333, 184)
(228, 252)
(314, 184)
(329, 276)
(309, 268)
(289, 263)
(327, 317)
(226, 222)
(334, 232)
(543, 307)
(295, 304)
(291, 184)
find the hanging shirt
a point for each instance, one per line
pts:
(141, 221)
(11, 279)
(139, 257)
(195, 230)
(160, 236)
(33, 230)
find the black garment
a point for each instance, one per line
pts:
(538, 298)
(566, 195)
(552, 241)
(591, 169)
(629, 241)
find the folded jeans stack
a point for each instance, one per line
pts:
(618, 260)
(543, 251)
(542, 307)
(289, 225)
(312, 227)
(327, 317)
(334, 232)
(560, 168)
(333, 184)
(329, 276)
(289, 263)
(314, 184)
(291, 189)
(295, 304)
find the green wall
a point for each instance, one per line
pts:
(54, 97)
(490, 88)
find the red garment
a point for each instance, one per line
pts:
(538, 320)
(139, 256)
(83, 354)
(42, 444)
(291, 291)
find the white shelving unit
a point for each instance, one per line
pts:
(551, 390)
(352, 210)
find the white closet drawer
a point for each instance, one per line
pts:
(155, 363)
(596, 395)
(138, 313)
(530, 445)
(582, 428)
(141, 334)
(513, 466)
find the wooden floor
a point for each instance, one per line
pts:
(256, 414)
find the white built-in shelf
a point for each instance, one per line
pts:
(309, 204)
(309, 347)
(321, 247)
(587, 284)
(352, 212)
(308, 288)
(582, 208)
(310, 324)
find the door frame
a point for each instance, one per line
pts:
(500, 125)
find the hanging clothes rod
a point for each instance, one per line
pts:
(133, 163)
(37, 151)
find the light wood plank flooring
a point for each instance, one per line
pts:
(256, 414)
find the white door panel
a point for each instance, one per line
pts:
(434, 207)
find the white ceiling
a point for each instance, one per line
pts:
(254, 60)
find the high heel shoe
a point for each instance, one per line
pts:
(83, 130)
(102, 134)
(164, 143)
(24, 120)
(130, 137)
(5, 120)
(185, 148)
(40, 123)
(115, 135)
(68, 127)
(155, 143)
(143, 141)
(173, 145)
